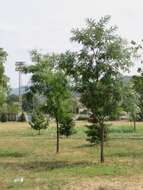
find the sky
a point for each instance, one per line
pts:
(47, 24)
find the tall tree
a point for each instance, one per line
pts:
(96, 68)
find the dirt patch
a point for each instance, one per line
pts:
(101, 183)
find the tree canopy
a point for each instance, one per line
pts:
(96, 68)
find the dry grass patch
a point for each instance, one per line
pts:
(104, 183)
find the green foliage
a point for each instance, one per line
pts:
(66, 126)
(22, 117)
(4, 117)
(130, 100)
(138, 87)
(96, 68)
(93, 133)
(13, 107)
(116, 114)
(3, 77)
(38, 121)
(12, 104)
(27, 102)
(51, 84)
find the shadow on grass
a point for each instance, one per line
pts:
(126, 154)
(45, 165)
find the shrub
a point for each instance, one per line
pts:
(4, 117)
(93, 133)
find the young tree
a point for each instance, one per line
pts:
(130, 101)
(96, 67)
(52, 85)
(38, 121)
(138, 80)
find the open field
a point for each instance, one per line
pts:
(28, 157)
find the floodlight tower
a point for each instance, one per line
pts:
(18, 67)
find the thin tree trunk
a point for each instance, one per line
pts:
(58, 137)
(102, 144)
(39, 132)
(134, 125)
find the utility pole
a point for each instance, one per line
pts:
(19, 65)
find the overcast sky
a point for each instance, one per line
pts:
(46, 25)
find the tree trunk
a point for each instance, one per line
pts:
(102, 144)
(58, 137)
(39, 132)
(134, 125)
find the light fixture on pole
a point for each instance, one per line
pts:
(19, 66)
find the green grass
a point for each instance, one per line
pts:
(25, 154)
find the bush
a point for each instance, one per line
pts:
(4, 117)
(22, 117)
(67, 126)
(93, 133)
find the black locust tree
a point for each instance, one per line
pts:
(95, 69)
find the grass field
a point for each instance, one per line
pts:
(29, 162)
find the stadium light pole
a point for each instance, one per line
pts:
(18, 67)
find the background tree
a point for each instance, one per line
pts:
(138, 87)
(28, 101)
(12, 103)
(4, 117)
(3, 77)
(138, 79)
(96, 67)
(130, 102)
